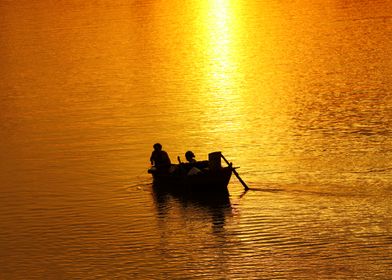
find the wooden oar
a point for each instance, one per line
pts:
(236, 173)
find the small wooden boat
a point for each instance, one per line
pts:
(202, 176)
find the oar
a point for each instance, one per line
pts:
(236, 173)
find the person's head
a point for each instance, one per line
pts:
(157, 147)
(189, 155)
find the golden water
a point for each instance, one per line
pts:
(297, 93)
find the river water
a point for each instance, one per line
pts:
(296, 93)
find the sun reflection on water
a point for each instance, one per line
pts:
(220, 33)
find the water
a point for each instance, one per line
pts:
(298, 94)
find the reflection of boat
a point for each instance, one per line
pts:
(202, 176)
(214, 207)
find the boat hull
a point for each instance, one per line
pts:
(206, 181)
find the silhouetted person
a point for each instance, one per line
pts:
(193, 169)
(190, 157)
(159, 158)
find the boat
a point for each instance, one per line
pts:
(199, 177)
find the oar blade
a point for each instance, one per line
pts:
(236, 173)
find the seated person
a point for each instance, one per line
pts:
(194, 167)
(190, 157)
(159, 158)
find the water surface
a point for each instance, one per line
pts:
(298, 94)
